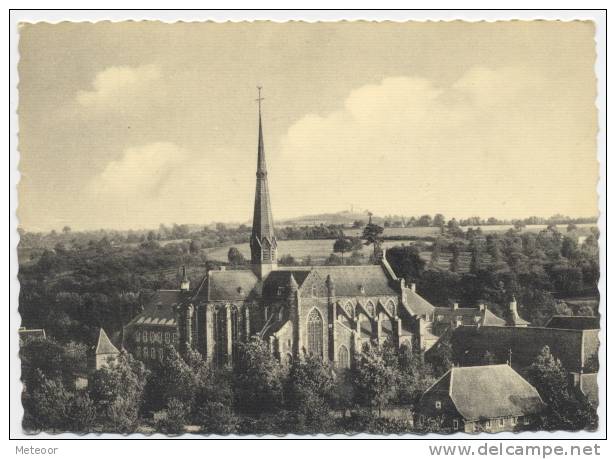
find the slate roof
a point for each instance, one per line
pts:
(489, 392)
(159, 310)
(468, 316)
(417, 304)
(574, 322)
(232, 285)
(104, 345)
(348, 280)
(281, 278)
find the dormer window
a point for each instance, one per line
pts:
(280, 291)
(437, 404)
(362, 290)
(240, 290)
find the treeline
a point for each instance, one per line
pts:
(439, 220)
(259, 395)
(71, 293)
(538, 269)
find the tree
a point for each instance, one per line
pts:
(415, 375)
(257, 378)
(117, 391)
(476, 256)
(171, 378)
(375, 377)
(424, 220)
(372, 235)
(437, 248)
(214, 402)
(172, 419)
(66, 229)
(235, 257)
(342, 245)
(438, 220)
(454, 262)
(308, 392)
(46, 404)
(567, 408)
(406, 262)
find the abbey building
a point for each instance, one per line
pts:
(328, 311)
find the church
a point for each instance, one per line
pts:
(327, 311)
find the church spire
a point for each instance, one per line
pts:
(263, 243)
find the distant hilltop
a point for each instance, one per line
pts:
(344, 217)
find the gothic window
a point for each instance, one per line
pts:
(138, 352)
(145, 336)
(137, 337)
(235, 332)
(315, 333)
(152, 337)
(152, 353)
(288, 359)
(280, 291)
(220, 336)
(390, 308)
(370, 308)
(167, 337)
(343, 357)
(349, 309)
(145, 352)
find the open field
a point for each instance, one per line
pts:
(317, 249)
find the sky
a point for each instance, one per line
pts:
(129, 125)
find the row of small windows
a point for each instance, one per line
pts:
(154, 337)
(148, 353)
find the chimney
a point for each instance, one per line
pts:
(413, 287)
(482, 307)
(454, 306)
(184, 283)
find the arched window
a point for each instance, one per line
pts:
(315, 333)
(137, 336)
(153, 353)
(145, 336)
(343, 357)
(288, 359)
(235, 332)
(220, 336)
(145, 352)
(138, 352)
(167, 339)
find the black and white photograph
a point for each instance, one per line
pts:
(284, 228)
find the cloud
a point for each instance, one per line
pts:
(161, 182)
(496, 141)
(117, 87)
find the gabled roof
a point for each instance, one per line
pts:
(159, 310)
(104, 345)
(468, 316)
(232, 285)
(574, 322)
(489, 392)
(372, 280)
(417, 304)
(281, 278)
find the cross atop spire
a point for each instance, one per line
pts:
(259, 99)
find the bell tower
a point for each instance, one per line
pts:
(263, 244)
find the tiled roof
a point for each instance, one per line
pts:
(574, 322)
(468, 316)
(104, 345)
(232, 285)
(490, 391)
(159, 310)
(351, 280)
(417, 304)
(281, 278)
